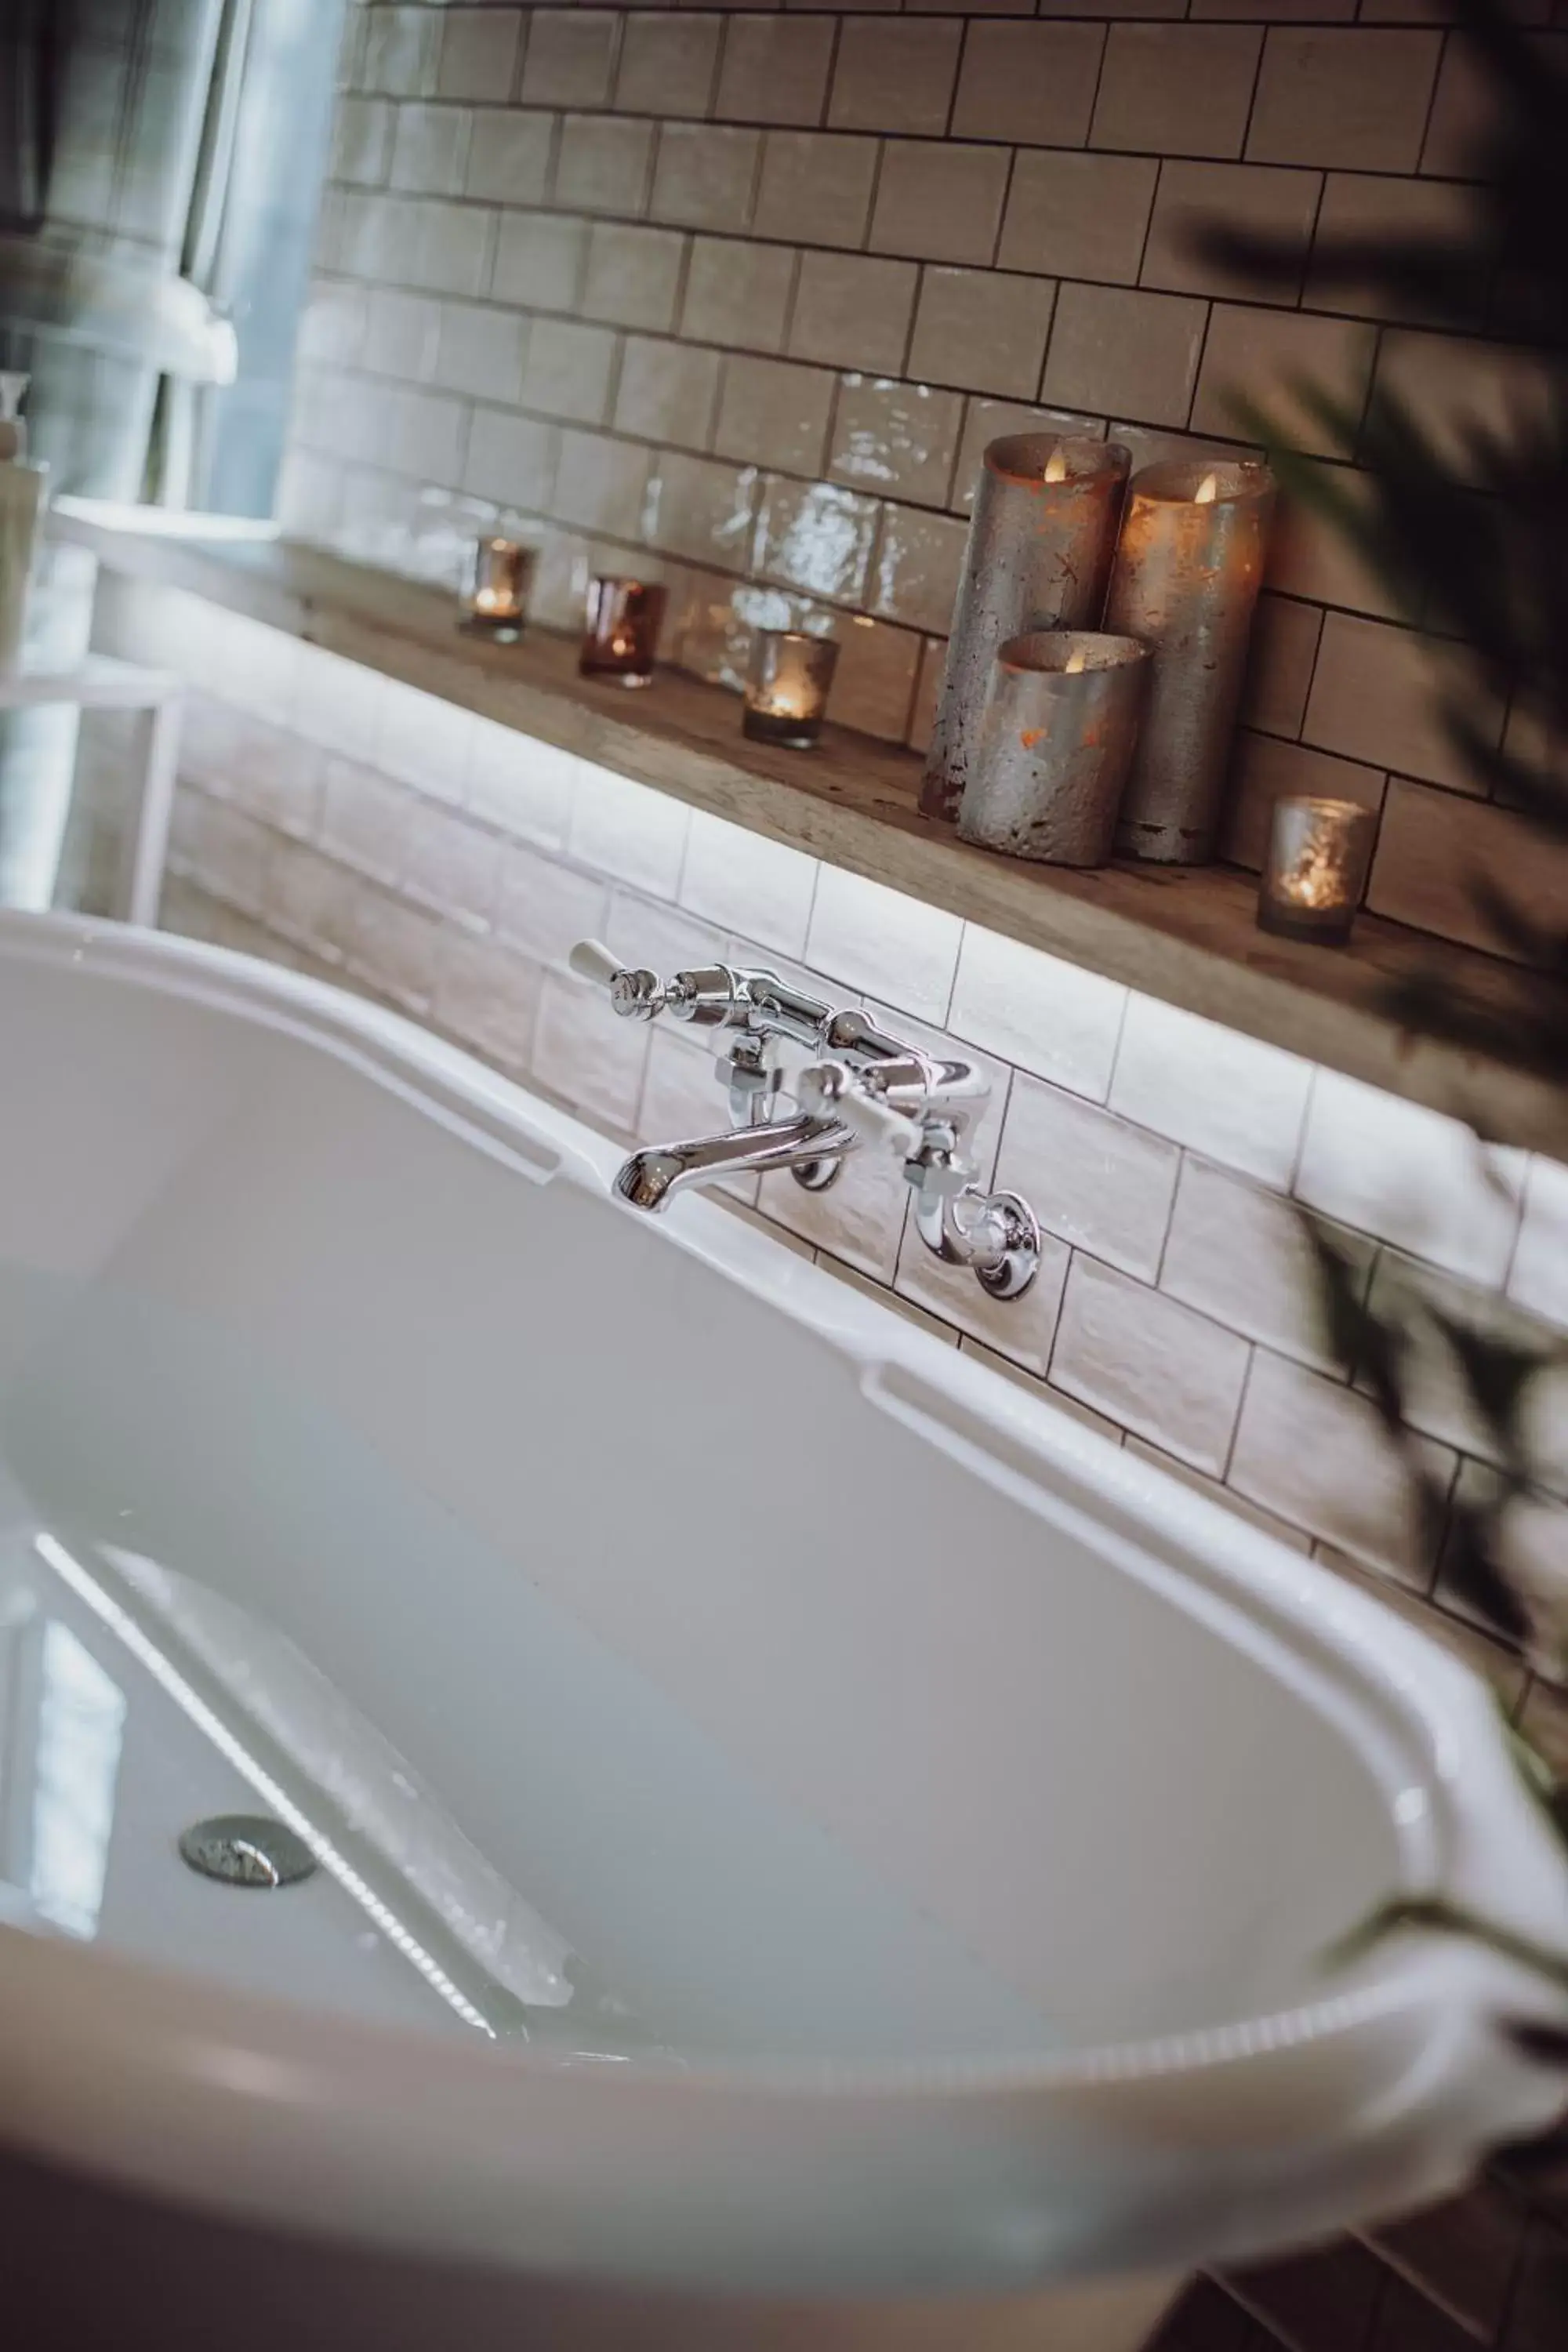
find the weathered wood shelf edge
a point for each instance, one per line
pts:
(1187, 937)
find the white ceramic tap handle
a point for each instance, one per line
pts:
(830, 1090)
(592, 960)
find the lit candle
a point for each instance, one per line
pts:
(786, 687)
(495, 599)
(1318, 853)
(1057, 734)
(1039, 553)
(1185, 582)
(621, 633)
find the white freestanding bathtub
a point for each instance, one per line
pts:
(795, 1817)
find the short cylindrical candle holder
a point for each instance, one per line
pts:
(622, 634)
(786, 688)
(1039, 553)
(1059, 728)
(495, 599)
(1319, 854)
(1186, 581)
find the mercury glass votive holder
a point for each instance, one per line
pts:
(1319, 854)
(1057, 738)
(621, 639)
(495, 598)
(786, 688)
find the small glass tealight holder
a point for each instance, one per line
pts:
(1319, 854)
(621, 633)
(787, 687)
(495, 600)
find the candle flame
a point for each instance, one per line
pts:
(1055, 466)
(1207, 490)
(1075, 660)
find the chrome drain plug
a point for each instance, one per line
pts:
(247, 1850)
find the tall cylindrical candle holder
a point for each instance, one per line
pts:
(495, 599)
(1039, 553)
(786, 688)
(621, 633)
(1186, 581)
(1058, 735)
(1319, 852)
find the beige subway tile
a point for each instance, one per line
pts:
(1053, 1018)
(1115, 349)
(1176, 90)
(633, 276)
(276, 777)
(508, 155)
(919, 560)
(487, 997)
(1463, 116)
(896, 437)
(1538, 1278)
(593, 1065)
(706, 174)
(1435, 1397)
(449, 864)
(915, 1317)
(401, 52)
(1437, 851)
(668, 64)
(738, 295)
(478, 53)
(1267, 770)
(1213, 1491)
(519, 785)
(775, 69)
(362, 141)
(480, 350)
(940, 202)
(1243, 1257)
(1260, 199)
(1311, 556)
(1094, 1181)
(401, 334)
(1230, 1096)
(875, 681)
(1376, 209)
(1375, 697)
(544, 909)
(568, 369)
(853, 311)
(1285, 634)
(510, 460)
(893, 947)
(602, 484)
(1257, 357)
(1294, 1422)
(1055, 1400)
(1452, 386)
(628, 831)
(305, 898)
(602, 164)
(452, 247)
(895, 77)
(988, 420)
(1078, 215)
(569, 59)
(859, 1219)
(540, 261)
(815, 187)
(1028, 84)
(815, 535)
(1014, 1334)
(773, 413)
(1154, 1367)
(761, 888)
(430, 150)
(1410, 1176)
(393, 946)
(703, 511)
(982, 331)
(1353, 99)
(667, 392)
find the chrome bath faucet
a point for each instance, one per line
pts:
(807, 1085)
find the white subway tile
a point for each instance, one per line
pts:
(931, 1324)
(1210, 1087)
(859, 1218)
(1409, 1176)
(306, 898)
(761, 888)
(423, 740)
(628, 830)
(681, 1096)
(587, 1057)
(546, 908)
(1091, 1178)
(487, 997)
(364, 817)
(1241, 1255)
(881, 941)
(1538, 1279)
(645, 931)
(1156, 1367)
(337, 703)
(1045, 1015)
(449, 864)
(393, 945)
(521, 786)
(1021, 1329)
(1281, 1529)
(257, 668)
(1041, 1390)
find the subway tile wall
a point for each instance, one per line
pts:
(737, 295)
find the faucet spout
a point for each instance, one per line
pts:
(650, 1179)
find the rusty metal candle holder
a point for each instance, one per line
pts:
(1057, 738)
(1186, 581)
(1319, 854)
(495, 597)
(624, 617)
(786, 688)
(1039, 553)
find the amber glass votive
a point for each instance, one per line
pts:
(624, 617)
(495, 600)
(1319, 853)
(787, 686)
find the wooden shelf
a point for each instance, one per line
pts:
(1186, 936)
(96, 683)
